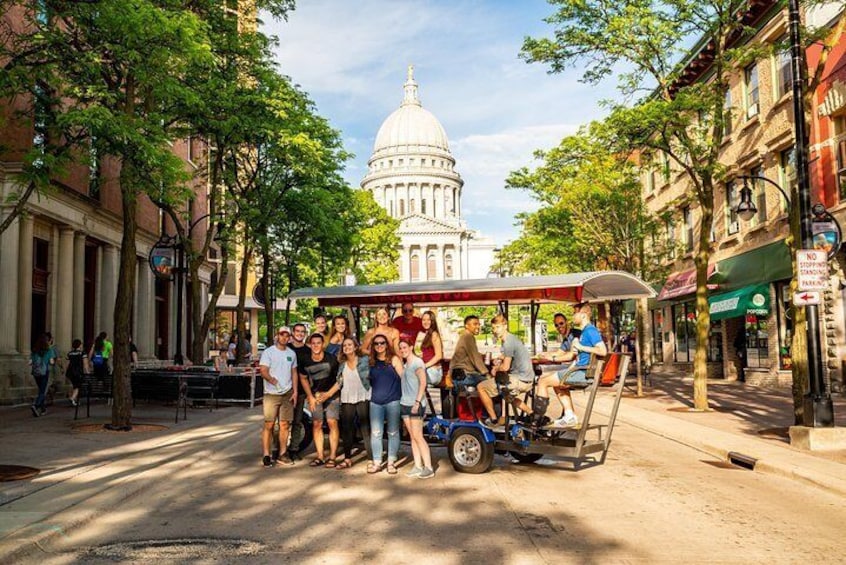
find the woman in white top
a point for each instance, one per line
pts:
(412, 409)
(354, 384)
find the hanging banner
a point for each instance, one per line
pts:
(163, 259)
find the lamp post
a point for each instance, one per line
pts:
(162, 269)
(818, 407)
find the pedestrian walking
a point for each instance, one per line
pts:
(76, 369)
(412, 410)
(98, 357)
(41, 360)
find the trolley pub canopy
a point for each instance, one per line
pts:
(571, 287)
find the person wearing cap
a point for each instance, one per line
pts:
(278, 367)
(408, 325)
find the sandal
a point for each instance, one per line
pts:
(330, 464)
(373, 468)
(392, 470)
(345, 464)
(317, 462)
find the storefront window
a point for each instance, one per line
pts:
(785, 326)
(684, 327)
(657, 342)
(757, 341)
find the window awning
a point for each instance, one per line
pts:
(748, 300)
(683, 283)
(764, 264)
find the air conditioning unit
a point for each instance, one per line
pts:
(733, 228)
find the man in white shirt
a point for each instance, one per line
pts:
(278, 368)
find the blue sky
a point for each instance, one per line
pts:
(351, 57)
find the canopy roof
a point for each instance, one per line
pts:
(572, 287)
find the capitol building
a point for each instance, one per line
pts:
(412, 176)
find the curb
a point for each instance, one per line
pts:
(770, 459)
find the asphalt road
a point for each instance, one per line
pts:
(653, 501)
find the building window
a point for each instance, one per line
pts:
(412, 206)
(422, 205)
(759, 196)
(193, 153)
(715, 341)
(732, 200)
(841, 169)
(415, 268)
(757, 341)
(41, 110)
(784, 71)
(687, 235)
(751, 82)
(402, 207)
(650, 179)
(448, 266)
(787, 173)
(665, 167)
(727, 117)
(671, 237)
(431, 267)
(94, 170)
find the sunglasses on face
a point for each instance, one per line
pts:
(560, 324)
(380, 343)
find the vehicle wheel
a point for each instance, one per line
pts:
(302, 434)
(468, 451)
(526, 457)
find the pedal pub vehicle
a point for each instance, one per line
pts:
(471, 444)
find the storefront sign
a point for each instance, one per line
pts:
(826, 237)
(806, 298)
(748, 301)
(162, 260)
(683, 283)
(813, 269)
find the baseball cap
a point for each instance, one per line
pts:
(284, 329)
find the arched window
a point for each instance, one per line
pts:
(402, 208)
(431, 267)
(423, 206)
(415, 268)
(448, 266)
(412, 206)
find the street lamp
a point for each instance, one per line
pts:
(163, 267)
(818, 407)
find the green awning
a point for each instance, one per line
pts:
(748, 300)
(767, 263)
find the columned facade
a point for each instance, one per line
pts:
(412, 175)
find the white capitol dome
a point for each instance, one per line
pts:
(411, 128)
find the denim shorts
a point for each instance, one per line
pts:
(408, 411)
(574, 376)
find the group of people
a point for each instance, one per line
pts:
(97, 361)
(370, 387)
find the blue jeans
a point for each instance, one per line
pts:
(378, 414)
(41, 381)
(470, 379)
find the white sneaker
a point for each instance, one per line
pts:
(566, 421)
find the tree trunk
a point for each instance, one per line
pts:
(703, 314)
(640, 340)
(266, 282)
(204, 322)
(122, 384)
(241, 322)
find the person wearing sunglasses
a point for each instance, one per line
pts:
(278, 368)
(382, 328)
(385, 395)
(408, 325)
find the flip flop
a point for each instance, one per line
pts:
(330, 464)
(317, 463)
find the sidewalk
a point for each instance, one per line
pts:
(747, 420)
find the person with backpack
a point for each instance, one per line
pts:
(40, 361)
(98, 356)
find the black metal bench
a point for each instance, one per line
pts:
(92, 387)
(178, 387)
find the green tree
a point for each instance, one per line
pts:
(374, 253)
(681, 119)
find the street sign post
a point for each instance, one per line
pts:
(806, 298)
(813, 269)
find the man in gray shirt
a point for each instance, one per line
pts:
(517, 363)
